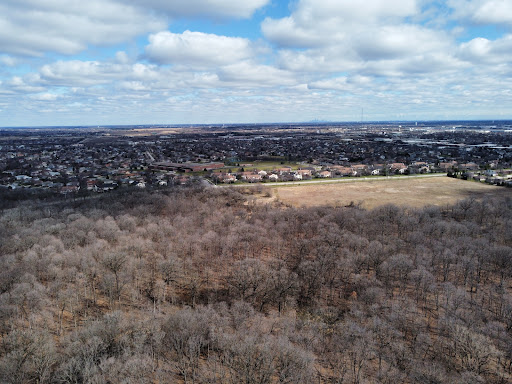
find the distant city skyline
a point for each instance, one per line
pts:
(121, 62)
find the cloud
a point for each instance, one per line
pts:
(483, 12)
(32, 28)
(317, 61)
(217, 9)
(309, 11)
(122, 57)
(375, 38)
(134, 86)
(20, 85)
(352, 84)
(78, 76)
(315, 23)
(325, 60)
(408, 68)
(481, 50)
(77, 73)
(392, 41)
(250, 74)
(288, 32)
(196, 48)
(44, 97)
(494, 12)
(8, 60)
(340, 84)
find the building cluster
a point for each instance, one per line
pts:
(343, 147)
(185, 167)
(68, 163)
(489, 176)
(81, 159)
(284, 173)
(305, 172)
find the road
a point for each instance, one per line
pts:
(342, 180)
(150, 156)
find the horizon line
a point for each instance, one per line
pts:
(319, 122)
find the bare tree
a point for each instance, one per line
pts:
(27, 356)
(188, 335)
(114, 263)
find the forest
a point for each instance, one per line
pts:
(205, 285)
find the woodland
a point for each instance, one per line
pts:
(205, 285)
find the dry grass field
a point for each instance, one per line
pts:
(417, 192)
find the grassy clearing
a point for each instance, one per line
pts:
(417, 192)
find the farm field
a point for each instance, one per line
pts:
(414, 192)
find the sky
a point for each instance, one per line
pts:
(109, 62)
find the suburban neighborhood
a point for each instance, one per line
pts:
(72, 161)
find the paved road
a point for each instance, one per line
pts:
(341, 180)
(150, 156)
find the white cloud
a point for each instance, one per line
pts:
(30, 27)
(8, 61)
(392, 41)
(198, 80)
(287, 32)
(196, 48)
(324, 22)
(35, 27)
(44, 97)
(77, 73)
(483, 12)
(137, 86)
(329, 59)
(82, 77)
(478, 48)
(122, 57)
(481, 50)
(374, 38)
(250, 74)
(222, 9)
(354, 84)
(409, 67)
(495, 12)
(340, 84)
(308, 11)
(17, 84)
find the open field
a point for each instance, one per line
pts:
(414, 192)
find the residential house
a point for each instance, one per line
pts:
(68, 189)
(305, 173)
(251, 177)
(343, 171)
(324, 174)
(226, 178)
(398, 167)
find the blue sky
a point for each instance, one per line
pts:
(99, 62)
